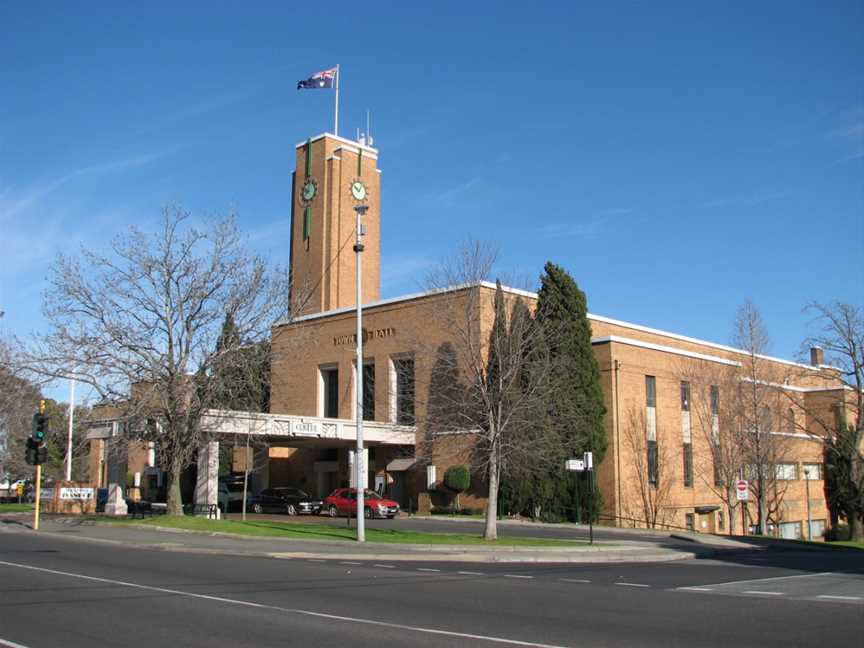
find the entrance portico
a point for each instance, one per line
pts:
(320, 446)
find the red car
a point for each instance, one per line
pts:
(343, 501)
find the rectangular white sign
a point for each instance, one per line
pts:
(76, 493)
(305, 428)
(575, 464)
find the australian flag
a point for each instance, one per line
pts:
(323, 79)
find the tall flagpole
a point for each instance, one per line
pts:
(336, 119)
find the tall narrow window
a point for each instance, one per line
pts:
(368, 392)
(685, 396)
(650, 391)
(790, 419)
(686, 437)
(330, 385)
(404, 370)
(651, 425)
(716, 449)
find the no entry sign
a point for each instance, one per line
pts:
(742, 490)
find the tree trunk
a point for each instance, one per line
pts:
(856, 528)
(763, 510)
(175, 499)
(491, 530)
(733, 521)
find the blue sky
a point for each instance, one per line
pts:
(676, 158)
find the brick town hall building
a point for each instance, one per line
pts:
(656, 385)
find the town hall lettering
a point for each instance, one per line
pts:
(368, 334)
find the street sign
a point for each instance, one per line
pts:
(575, 464)
(589, 460)
(742, 490)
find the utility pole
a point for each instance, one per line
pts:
(807, 491)
(359, 457)
(71, 423)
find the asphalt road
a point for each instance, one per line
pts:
(64, 592)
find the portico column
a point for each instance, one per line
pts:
(207, 482)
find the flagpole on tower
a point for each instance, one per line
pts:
(336, 118)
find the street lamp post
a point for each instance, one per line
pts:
(358, 454)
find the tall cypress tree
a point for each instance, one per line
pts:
(576, 408)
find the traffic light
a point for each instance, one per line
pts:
(40, 427)
(32, 452)
(41, 455)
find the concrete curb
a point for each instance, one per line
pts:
(409, 553)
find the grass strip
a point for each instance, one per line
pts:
(303, 531)
(15, 508)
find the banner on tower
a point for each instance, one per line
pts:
(324, 79)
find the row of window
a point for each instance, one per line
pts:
(785, 470)
(401, 398)
(714, 394)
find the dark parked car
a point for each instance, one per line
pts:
(343, 501)
(285, 499)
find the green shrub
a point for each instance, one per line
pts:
(457, 479)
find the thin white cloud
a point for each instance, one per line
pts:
(593, 226)
(448, 198)
(751, 199)
(12, 204)
(849, 158)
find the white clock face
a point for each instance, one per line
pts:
(358, 190)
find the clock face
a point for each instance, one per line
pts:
(358, 190)
(308, 191)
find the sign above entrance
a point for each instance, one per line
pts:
(368, 334)
(305, 428)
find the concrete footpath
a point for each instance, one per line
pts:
(176, 540)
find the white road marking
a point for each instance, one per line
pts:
(11, 644)
(322, 615)
(765, 580)
(761, 592)
(633, 584)
(696, 589)
(385, 566)
(348, 562)
(840, 598)
(516, 576)
(574, 580)
(426, 569)
(465, 573)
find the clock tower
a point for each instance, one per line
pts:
(332, 176)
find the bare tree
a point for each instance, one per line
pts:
(841, 336)
(489, 383)
(652, 462)
(141, 324)
(754, 396)
(713, 406)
